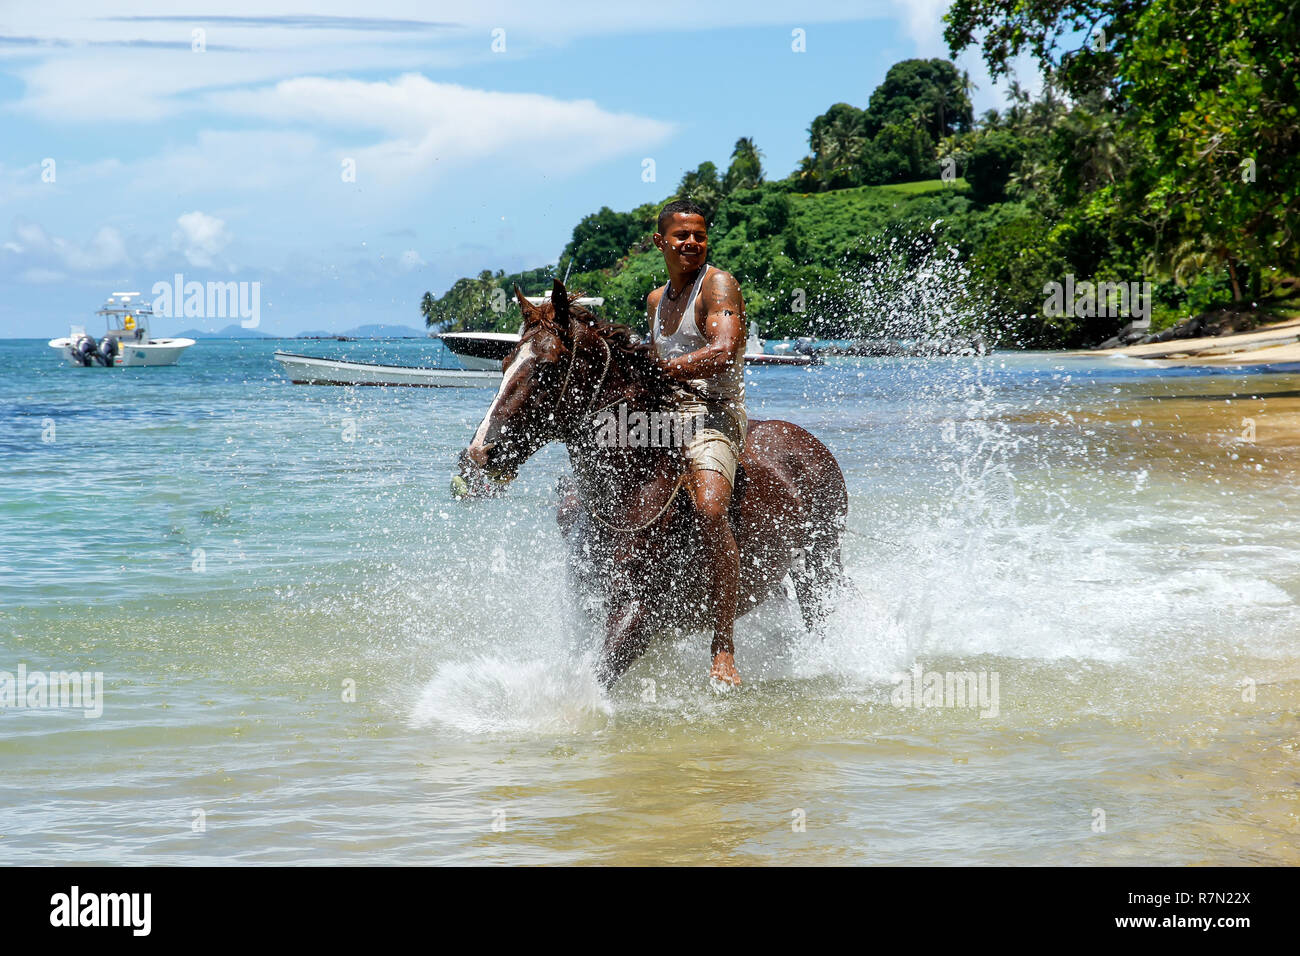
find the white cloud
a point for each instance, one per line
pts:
(136, 63)
(243, 160)
(410, 259)
(426, 127)
(201, 238)
(106, 249)
(42, 276)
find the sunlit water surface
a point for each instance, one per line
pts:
(240, 556)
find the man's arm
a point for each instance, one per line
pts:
(723, 329)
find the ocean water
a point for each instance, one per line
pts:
(311, 654)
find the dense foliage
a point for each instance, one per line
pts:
(1164, 147)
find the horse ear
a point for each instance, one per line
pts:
(524, 305)
(560, 299)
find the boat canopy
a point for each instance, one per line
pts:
(127, 315)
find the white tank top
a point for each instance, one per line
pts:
(728, 386)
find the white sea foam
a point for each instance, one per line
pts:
(975, 569)
(496, 695)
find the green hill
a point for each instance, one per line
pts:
(1103, 178)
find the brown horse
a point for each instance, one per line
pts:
(632, 535)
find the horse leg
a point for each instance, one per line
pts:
(817, 574)
(627, 634)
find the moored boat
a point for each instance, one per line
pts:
(313, 370)
(126, 342)
(485, 350)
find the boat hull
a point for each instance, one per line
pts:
(764, 358)
(480, 350)
(153, 353)
(485, 350)
(311, 370)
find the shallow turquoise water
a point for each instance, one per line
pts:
(235, 553)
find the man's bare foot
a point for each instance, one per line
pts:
(724, 669)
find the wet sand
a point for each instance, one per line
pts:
(1234, 414)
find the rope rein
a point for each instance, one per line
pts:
(641, 527)
(600, 384)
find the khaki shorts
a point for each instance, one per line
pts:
(717, 440)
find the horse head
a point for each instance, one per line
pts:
(525, 415)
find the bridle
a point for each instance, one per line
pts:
(591, 410)
(568, 377)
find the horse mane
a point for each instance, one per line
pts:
(639, 359)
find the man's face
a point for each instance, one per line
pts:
(684, 241)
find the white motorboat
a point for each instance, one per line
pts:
(783, 353)
(312, 370)
(127, 340)
(480, 350)
(485, 350)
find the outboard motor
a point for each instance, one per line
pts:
(108, 350)
(84, 351)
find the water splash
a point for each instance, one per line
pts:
(907, 286)
(493, 694)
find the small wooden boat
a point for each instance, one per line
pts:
(311, 370)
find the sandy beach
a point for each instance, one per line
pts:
(1274, 344)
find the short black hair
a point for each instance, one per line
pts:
(687, 206)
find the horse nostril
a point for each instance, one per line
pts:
(478, 454)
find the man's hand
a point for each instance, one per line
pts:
(673, 369)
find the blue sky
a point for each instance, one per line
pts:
(227, 163)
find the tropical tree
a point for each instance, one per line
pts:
(600, 240)
(473, 304)
(838, 141)
(1192, 123)
(702, 186)
(746, 169)
(931, 92)
(1215, 101)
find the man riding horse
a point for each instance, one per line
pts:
(701, 338)
(655, 560)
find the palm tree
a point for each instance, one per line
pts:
(702, 186)
(746, 169)
(1030, 179)
(1019, 97)
(1096, 149)
(838, 149)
